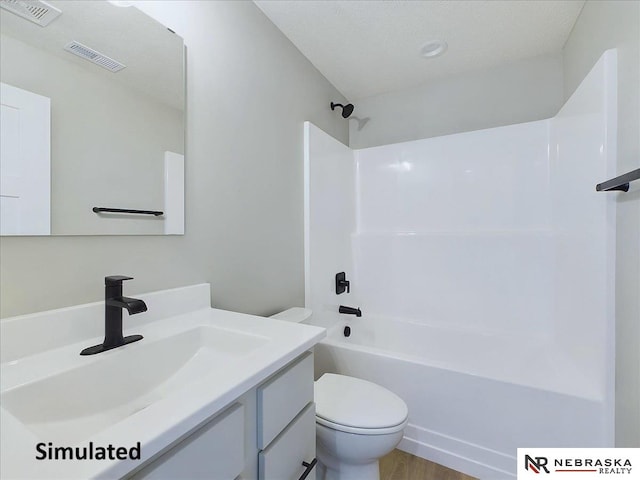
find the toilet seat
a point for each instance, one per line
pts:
(353, 405)
(361, 431)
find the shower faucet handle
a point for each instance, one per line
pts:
(342, 283)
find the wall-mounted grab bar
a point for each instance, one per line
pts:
(619, 183)
(126, 210)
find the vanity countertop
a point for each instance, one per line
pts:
(189, 366)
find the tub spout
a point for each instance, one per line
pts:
(350, 311)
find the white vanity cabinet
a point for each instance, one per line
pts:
(266, 434)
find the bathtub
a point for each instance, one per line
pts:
(468, 409)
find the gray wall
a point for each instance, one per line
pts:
(249, 91)
(107, 141)
(518, 92)
(600, 26)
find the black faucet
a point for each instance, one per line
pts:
(350, 311)
(114, 302)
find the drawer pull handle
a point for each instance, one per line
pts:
(308, 467)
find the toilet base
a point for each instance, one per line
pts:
(352, 456)
(368, 471)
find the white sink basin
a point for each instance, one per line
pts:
(115, 385)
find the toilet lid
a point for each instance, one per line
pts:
(357, 403)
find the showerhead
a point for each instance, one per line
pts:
(347, 109)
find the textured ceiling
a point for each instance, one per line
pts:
(371, 47)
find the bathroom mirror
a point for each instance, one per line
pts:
(92, 116)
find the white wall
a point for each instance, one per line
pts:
(330, 198)
(455, 231)
(602, 25)
(248, 92)
(582, 151)
(519, 92)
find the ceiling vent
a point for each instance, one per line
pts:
(35, 11)
(96, 57)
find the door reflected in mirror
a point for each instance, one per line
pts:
(92, 116)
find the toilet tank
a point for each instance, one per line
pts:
(295, 314)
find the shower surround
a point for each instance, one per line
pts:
(483, 263)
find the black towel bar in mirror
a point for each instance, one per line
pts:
(157, 213)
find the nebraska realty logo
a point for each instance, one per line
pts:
(583, 463)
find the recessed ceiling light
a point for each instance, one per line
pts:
(433, 48)
(121, 3)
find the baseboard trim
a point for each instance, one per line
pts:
(465, 457)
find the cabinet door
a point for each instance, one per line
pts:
(282, 397)
(284, 458)
(215, 451)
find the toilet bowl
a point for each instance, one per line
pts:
(357, 422)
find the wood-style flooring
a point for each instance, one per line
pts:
(399, 465)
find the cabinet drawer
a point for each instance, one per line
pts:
(282, 460)
(216, 450)
(281, 398)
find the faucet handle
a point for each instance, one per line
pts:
(115, 280)
(342, 283)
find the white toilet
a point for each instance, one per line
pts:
(357, 421)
